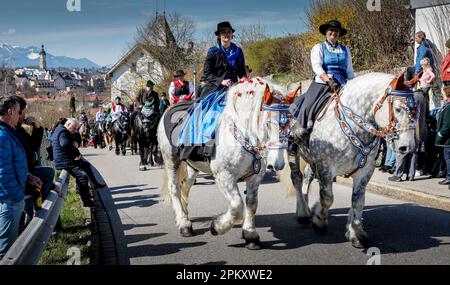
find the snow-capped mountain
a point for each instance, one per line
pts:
(29, 56)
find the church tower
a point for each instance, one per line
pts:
(42, 59)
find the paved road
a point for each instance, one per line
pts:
(146, 232)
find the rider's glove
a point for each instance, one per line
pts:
(333, 85)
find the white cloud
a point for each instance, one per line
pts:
(10, 31)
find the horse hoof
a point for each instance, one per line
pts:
(360, 240)
(252, 241)
(360, 244)
(187, 232)
(253, 246)
(304, 221)
(213, 229)
(320, 230)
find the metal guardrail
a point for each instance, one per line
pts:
(28, 248)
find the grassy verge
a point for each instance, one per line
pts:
(73, 232)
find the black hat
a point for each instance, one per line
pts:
(150, 83)
(117, 98)
(223, 26)
(332, 24)
(179, 73)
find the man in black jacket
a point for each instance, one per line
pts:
(67, 156)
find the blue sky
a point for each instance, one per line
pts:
(104, 29)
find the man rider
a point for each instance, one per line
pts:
(180, 89)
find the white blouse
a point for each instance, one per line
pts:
(317, 61)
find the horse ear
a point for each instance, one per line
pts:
(291, 97)
(268, 97)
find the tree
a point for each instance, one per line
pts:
(170, 41)
(72, 106)
(269, 56)
(250, 34)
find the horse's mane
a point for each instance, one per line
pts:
(244, 106)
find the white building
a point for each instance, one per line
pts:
(433, 18)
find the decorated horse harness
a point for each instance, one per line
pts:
(389, 133)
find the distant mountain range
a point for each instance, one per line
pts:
(29, 56)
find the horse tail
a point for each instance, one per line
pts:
(165, 195)
(285, 176)
(182, 174)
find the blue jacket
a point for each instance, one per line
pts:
(64, 152)
(424, 50)
(13, 166)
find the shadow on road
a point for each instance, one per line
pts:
(391, 228)
(133, 226)
(160, 249)
(143, 237)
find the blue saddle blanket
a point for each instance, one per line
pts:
(200, 128)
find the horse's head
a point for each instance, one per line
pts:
(279, 120)
(397, 115)
(124, 122)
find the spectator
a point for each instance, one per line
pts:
(14, 174)
(427, 77)
(443, 135)
(423, 51)
(86, 165)
(67, 156)
(389, 164)
(31, 143)
(445, 75)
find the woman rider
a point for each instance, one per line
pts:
(332, 66)
(224, 66)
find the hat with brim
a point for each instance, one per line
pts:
(332, 24)
(150, 83)
(224, 26)
(179, 73)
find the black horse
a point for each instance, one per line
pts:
(144, 128)
(99, 129)
(121, 132)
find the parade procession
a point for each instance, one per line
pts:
(249, 134)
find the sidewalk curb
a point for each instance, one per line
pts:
(421, 198)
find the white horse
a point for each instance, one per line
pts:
(341, 146)
(247, 129)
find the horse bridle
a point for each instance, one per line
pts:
(279, 115)
(389, 133)
(407, 102)
(121, 127)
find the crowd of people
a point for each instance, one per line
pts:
(432, 156)
(24, 181)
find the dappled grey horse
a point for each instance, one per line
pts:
(246, 130)
(345, 143)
